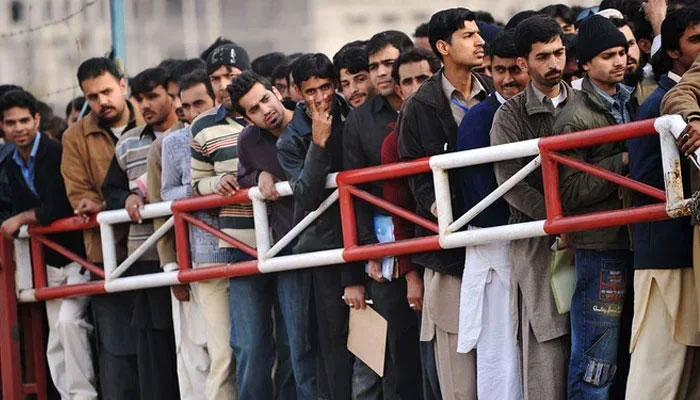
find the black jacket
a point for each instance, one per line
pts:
(306, 166)
(52, 202)
(426, 128)
(5, 201)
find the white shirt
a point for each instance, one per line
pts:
(674, 76)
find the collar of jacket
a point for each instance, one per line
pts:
(6, 150)
(589, 91)
(431, 93)
(666, 83)
(379, 102)
(92, 124)
(533, 102)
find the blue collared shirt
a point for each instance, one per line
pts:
(617, 103)
(28, 167)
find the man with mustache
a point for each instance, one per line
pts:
(125, 186)
(602, 256)
(352, 66)
(88, 148)
(543, 332)
(363, 135)
(484, 303)
(428, 126)
(634, 73)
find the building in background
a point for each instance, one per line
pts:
(43, 42)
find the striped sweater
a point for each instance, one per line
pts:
(215, 154)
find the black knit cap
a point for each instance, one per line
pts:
(228, 54)
(595, 35)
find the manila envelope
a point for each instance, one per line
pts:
(367, 338)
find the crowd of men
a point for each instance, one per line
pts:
(481, 322)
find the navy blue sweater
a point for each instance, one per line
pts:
(662, 244)
(476, 182)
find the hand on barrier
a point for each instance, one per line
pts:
(375, 270)
(133, 203)
(10, 227)
(181, 292)
(87, 207)
(355, 296)
(266, 185)
(689, 139)
(228, 184)
(321, 121)
(414, 290)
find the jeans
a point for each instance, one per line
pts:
(252, 301)
(596, 310)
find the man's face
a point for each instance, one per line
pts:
(565, 26)
(73, 117)
(411, 75)
(105, 96)
(220, 79)
(608, 67)
(545, 62)
(689, 47)
(485, 67)
(20, 127)
(319, 91)
(263, 107)
(356, 87)
(174, 93)
(572, 71)
(155, 105)
(632, 51)
(508, 78)
(282, 86)
(195, 101)
(294, 90)
(467, 46)
(422, 41)
(380, 65)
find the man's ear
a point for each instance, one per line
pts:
(37, 120)
(397, 90)
(442, 47)
(277, 93)
(674, 54)
(522, 64)
(122, 85)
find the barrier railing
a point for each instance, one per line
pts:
(544, 151)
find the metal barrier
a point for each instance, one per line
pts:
(447, 231)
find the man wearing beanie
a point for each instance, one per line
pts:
(602, 257)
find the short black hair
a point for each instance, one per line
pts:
(266, 63)
(484, 16)
(194, 78)
(504, 45)
(96, 66)
(446, 22)
(53, 126)
(619, 22)
(672, 29)
(186, 67)
(380, 40)
(416, 54)
(169, 64)
(76, 105)
(220, 41)
(7, 88)
(516, 19)
(536, 29)
(560, 11)
(354, 59)
(18, 98)
(569, 40)
(422, 30)
(148, 80)
(313, 65)
(683, 3)
(242, 85)
(281, 72)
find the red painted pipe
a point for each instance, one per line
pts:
(38, 264)
(384, 172)
(606, 219)
(402, 247)
(219, 234)
(10, 360)
(550, 177)
(243, 268)
(182, 242)
(69, 224)
(394, 209)
(594, 137)
(347, 216)
(610, 176)
(78, 289)
(70, 255)
(210, 201)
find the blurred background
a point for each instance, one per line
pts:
(42, 42)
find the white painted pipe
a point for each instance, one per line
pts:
(298, 261)
(144, 247)
(24, 273)
(109, 252)
(142, 282)
(494, 234)
(484, 155)
(150, 211)
(443, 199)
(262, 226)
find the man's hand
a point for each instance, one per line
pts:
(266, 185)
(414, 290)
(228, 184)
(355, 296)
(655, 13)
(689, 140)
(132, 204)
(87, 207)
(625, 158)
(11, 226)
(375, 270)
(181, 292)
(321, 122)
